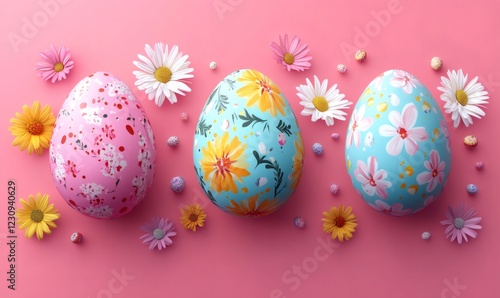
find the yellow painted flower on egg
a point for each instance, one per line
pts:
(340, 222)
(223, 162)
(193, 216)
(250, 207)
(260, 90)
(33, 128)
(37, 216)
(298, 162)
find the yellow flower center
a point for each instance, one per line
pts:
(339, 221)
(35, 128)
(193, 217)
(36, 215)
(288, 58)
(58, 67)
(163, 74)
(461, 97)
(320, 103)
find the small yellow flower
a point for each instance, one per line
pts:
(193, 216)
(339, 222)
(37, 215)
(33, 128)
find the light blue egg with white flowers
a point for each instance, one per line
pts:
(248, 150)
(397, 150)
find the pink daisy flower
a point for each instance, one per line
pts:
(460, 223)
(435, 175)
(291, 55)
(371, 179)
(57, 64)
(402, 132)
(396, 209)
(158, 233)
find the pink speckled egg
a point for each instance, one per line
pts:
(102, 150)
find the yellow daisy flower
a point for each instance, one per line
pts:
(33, 128)
(340, 222)
(260, 90)
(223, 162)
(193, 216)
(37, 215)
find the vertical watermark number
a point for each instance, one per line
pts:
(11, 237)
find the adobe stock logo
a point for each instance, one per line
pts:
(489, 83)
(452, 290)
(116, 284)
(298, 273)
(31, 25)
(199, 197)
(223, 6)
(363, 36)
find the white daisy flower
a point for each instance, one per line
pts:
(462, 101)
(162, 73)
(320, 103)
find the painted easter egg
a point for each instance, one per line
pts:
(397, 148)
(248, 151)
(102, 150)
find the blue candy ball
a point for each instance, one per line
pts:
(317, 148)
(472, 189)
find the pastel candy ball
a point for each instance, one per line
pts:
(360, 55)
(177, 184)
(436, 63)
(426, 235)
(334, 189)
(472, 189)
(397, 147)
(173, 141)
(299, 222)
(317, 148)
(76, 237)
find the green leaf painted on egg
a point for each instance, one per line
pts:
(203, 128)
(250, 119)
(278, 173)
(221, 101)
(284, 128)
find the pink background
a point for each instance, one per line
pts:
(266, 257)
